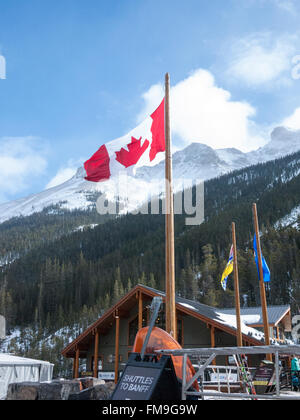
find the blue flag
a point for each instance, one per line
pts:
(266, 270)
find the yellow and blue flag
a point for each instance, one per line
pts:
(228, 270)
(266, 270)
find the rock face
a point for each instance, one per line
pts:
(89, 382)
(95, 393)
(23, 391)
(58, 390)
(76, 389)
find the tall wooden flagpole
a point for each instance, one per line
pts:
(171, 324)
(236, 289)
(261, 280)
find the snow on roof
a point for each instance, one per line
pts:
(275, 313)
(250, 319)
(223, 316)
(188, 306)
(230, 320)
(10, 359)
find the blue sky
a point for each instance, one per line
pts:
(81, 73)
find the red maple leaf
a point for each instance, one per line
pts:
(132, 155)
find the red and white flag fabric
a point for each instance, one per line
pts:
(137, 148)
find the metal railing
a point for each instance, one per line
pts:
(211, 353)
(221, 377)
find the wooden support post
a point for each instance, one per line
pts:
(212, 337)
(140, 317)
(96, 351)
(236, 289)
(117, 340)
(74, 366)
(213, 340)
(261, 281)
(76, 370)
(171, 325)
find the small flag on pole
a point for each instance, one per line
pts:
(228, 270)
(266, 270)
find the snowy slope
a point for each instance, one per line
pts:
(198, 161)
(290, 219)
(195, 162)
(283, 142)
(76, 193)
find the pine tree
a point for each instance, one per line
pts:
(118, 286)
(152, 282)
(208, 276)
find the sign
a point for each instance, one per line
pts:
(106, 376)
(223, 377)
(262, 378)
(148, 379)
(87, 374)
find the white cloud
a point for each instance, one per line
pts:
(286, 5)
(260, 59)
(21, 159)
(293, 121)
(203, 112)
(289, 6)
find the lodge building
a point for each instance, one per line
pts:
(107, 343)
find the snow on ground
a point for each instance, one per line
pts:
(283, 395)
(15, 334)
(290, 219)
(22, 338)
(84, 227)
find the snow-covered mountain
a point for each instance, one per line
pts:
(195, 162)
(76, 193)
(283, 142)
(198, 161)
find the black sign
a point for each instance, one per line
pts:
(150, 379)
(262, 378)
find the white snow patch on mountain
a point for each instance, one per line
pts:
(197, 162)
(84, 227)
(290, 219)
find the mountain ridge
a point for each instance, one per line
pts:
(197, 162)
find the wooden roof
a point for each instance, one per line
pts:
(205, 313)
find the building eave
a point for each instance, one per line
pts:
(69, 351)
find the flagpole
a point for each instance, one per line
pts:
(171, 324)
(236, 289)
(261, 280)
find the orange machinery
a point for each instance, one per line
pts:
(158, 340)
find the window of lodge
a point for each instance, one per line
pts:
(160, 322)
(133, 327)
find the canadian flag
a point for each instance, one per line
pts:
(137, 148)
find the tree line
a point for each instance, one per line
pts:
(56, 280)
